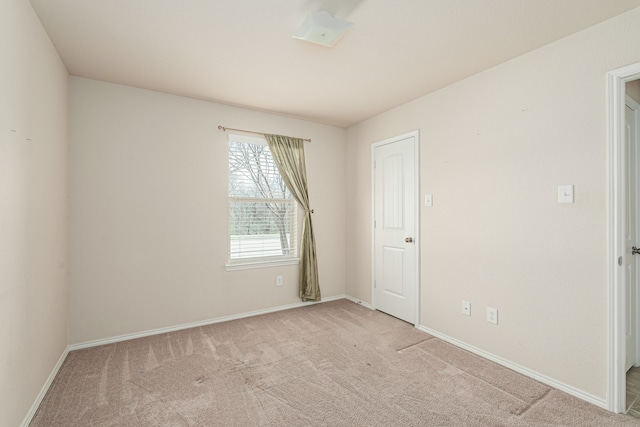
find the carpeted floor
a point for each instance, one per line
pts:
(633, 392)
(331, 364)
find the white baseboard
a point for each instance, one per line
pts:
(600, 402)
(135, 335)
(357, 301)
(34, 407)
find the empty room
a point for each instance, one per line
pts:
(319, 212)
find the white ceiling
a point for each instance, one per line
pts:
(240, 52)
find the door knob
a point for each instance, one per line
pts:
(410, 239)
(635, 251)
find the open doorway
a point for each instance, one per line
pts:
(632, 260)
(624, 234)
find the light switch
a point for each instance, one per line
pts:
(428, 200)
(565, 194)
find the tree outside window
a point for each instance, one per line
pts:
(262, 219)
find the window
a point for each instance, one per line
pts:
(262, 212)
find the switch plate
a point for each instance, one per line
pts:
(492, 315)
(428, 200)
(278, 280)
(565, 193)
(466, 308)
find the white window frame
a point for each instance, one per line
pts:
(266, 261)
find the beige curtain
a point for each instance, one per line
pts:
(288, 154)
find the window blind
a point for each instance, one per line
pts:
(262, 213)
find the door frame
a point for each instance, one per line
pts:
(616, 80)
(416, 160)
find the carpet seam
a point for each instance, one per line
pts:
(413, 345)
(528, 405)
(266, 391)
(534, 403)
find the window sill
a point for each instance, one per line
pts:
(246, 264)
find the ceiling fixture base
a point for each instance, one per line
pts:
(322, 28)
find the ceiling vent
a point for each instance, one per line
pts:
(322, 28)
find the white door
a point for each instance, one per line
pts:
(395, 229)
(631, 273)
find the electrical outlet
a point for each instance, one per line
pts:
(492, 315)
(466, 308)
(278, 280)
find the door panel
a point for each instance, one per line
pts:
(392, 271)
(392, 193)
(395, 277)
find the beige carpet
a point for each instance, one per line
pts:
(633, 392)
(331, 364)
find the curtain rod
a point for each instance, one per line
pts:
(224, 129)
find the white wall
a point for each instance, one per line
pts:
(148, 208)
(33, 209)
(494, 148)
